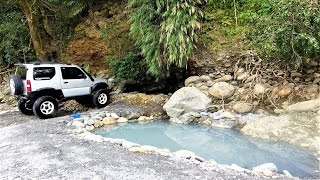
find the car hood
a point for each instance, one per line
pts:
(99, 80)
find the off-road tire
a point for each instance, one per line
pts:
(45, 107)
(16, 85)
(101, 98)
(25, 106)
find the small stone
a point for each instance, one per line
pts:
(286, 90)
(79, 130)
(122, 120)
(143, 118)
(259, 89)
(108, 114)
(228, 115)
(243, 76)
(89, 122)
(316, 75)
(265, 169)
(240, 71)
(242, 107)
(78, 124)
(128, 144)
(102, 115)
(149, 148)
(316, 81)
(185, 154)
(285, 172)
(225, 78)
(133, 116)
(114, 115)
(137, 149)
(205, 78)
(251, 78)
(90, 128)
(191, 79)
(109, 120)
(98, 123)
(210, 83)
(295, 74)
(313, 63)
(221, 90)
(310, 71)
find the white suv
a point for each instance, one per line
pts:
(40, 86)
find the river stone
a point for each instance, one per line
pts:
(98, 123)
(305, 106)
(205, 78)
(88, 122)
(122, 120)
(133, 116)
(242, 107)
(221, 90)
(225, 78)
(185, 103)
(137, 149)
(228, 115)
(267, 169)
(144, 118)
(109, 120)
(114, 115)
(191, 79)
(90, 128)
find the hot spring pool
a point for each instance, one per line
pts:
(225, 146)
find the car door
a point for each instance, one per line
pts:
(74, 82)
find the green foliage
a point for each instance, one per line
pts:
(14, 34)
(165, 31)
(88, 69)
(290, 32)
(129, 66)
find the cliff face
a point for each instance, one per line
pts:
(105, 32)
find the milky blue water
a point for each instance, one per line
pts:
(225, 146)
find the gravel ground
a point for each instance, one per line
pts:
(31, 148)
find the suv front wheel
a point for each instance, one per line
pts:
(101, 98)
(45, 107)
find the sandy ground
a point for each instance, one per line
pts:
(31, 148)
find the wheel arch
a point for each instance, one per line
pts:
(55, 93)
(99, 86)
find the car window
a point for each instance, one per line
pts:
(43, 73)
(21, 72)
(72, 73)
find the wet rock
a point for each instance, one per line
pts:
(221, 90)
(191, 79)
(109, 120)
(225, 78)
(305, 106)
(259, 89)
(122, 120)
(144, 118)
(184, 102)
(242, 107)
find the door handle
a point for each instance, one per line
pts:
(66, 82)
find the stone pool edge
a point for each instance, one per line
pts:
(85, 126)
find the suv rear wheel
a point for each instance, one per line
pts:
(25, 106)
(16, 85)
(100, 98)
(45, 107)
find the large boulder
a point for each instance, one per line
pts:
(221, 90)
(186, 104)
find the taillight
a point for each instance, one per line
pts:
(28, 86)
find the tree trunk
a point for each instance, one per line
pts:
(44, 44)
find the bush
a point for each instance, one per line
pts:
(290, 32)
(129, 66)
